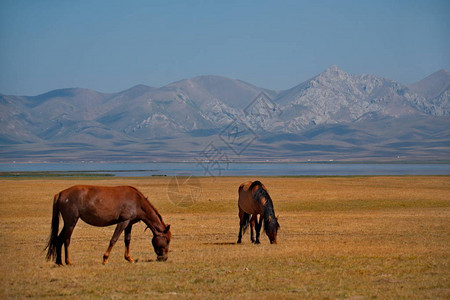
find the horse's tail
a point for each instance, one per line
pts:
(53, 239)
(247, 218)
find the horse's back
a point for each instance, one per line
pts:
(112, 191)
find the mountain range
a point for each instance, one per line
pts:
(332, 116)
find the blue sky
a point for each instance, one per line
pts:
(113, 45)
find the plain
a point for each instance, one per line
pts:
(340, 237)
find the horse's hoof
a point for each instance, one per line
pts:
(257, 242)
(239, 241)
(129, 259)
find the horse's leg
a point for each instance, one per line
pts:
(258, 228)
(252, 225)
(68, 230)
(241, 225)
(127, 243)
(119, 228)
(59, 244)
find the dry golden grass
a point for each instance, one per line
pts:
(360, 238)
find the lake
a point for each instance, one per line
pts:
(232, 169)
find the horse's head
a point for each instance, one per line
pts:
(272, 229)
(161, 243)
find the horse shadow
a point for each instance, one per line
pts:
(220, 243)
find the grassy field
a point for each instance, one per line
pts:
(349, 237)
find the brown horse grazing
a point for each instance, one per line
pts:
(104, 206)
(254, 200)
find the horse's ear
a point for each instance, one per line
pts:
(167, 229)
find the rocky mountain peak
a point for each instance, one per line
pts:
(334, 72)
(433, 85)
(331, 76)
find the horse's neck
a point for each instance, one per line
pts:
(152, 218)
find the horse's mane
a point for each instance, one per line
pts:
(156, 211)
(270, 221)
(149, 204)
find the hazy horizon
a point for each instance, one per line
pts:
(203, 75)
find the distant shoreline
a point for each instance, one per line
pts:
(331, 161)
(222, 168)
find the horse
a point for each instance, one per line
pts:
(104, 206)
(254, 200)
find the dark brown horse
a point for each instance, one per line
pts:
(254, 200)
(104, 206)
